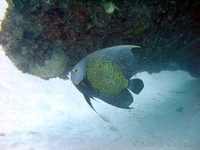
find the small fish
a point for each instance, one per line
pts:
(190, 117)
(105, 74)
(110, 7)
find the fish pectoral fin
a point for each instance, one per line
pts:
(136, 85)
(87, 98)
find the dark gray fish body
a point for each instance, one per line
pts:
(106, 74)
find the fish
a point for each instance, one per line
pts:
(110, 7)
(106, 74)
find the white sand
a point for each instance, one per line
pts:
(51, 115)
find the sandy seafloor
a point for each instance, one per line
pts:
(39, 114)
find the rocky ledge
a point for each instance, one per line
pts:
(47, 38)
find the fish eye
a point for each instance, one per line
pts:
(75, 70)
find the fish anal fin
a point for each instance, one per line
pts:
(125, 99)
(122, 101)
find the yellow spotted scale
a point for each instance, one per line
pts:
(106, 74)
(106, 77)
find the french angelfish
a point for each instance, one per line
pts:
(105, 74)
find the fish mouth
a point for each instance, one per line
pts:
(77, 83)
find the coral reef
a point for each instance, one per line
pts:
(37, 32)
(53, 66)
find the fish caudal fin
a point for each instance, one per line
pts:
(136, 85)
